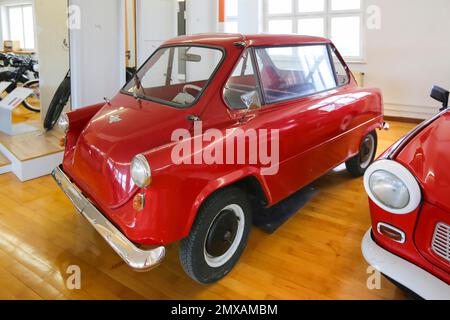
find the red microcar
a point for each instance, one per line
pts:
(210, 128)
(409, 190)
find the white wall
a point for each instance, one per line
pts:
(408, 55)
(97, 51)
(51, 22)
(156, 22)
(250, 16)
(202, 16)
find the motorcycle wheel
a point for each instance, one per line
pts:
(57, 104)
(33, 102)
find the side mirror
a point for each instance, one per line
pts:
(440, 95)
(251, 100)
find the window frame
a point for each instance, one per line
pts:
(326, 15)
(7, 30)
(169, 103)
(259, 90)
(330, 49)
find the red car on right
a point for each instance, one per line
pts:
(409, 190)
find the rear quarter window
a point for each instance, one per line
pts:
(295, 71)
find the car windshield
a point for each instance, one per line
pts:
(175, 75)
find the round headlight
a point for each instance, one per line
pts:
(389, 189)
(140, 171)
(63, 123)
(392, 187)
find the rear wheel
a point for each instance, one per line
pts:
(59, 101)
(358, 165)
(218, 237)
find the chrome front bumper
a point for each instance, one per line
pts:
(136, 258)
(404, 272)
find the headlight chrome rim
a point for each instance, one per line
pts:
(146, 179)
(404, 175)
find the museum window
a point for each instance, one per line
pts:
(339, 20)
(18, 25)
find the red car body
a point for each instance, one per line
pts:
(317, 133)
(420, 262)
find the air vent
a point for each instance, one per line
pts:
(441, 241)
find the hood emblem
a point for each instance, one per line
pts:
(114, 119)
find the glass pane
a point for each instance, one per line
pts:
(341, 72)
(312, 27)
(16, 25)
(231, 27)
(280, 26)
(29, 27)
(311, 5)
(279, 6)
(231, 8)
(346, 35)
(307, 70)
(345, 4)
(160, 79)
(242, 82)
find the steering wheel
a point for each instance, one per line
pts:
(193, 87)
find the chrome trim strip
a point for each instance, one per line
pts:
(401, 143)
(134, 257)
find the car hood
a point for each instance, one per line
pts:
(427, 156)
(120, 131)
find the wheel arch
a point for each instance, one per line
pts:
(249, 181)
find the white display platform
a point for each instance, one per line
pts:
(33, 168)
(7, 106)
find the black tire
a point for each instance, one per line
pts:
(358, 165)
(26, 103)
(57, 104)
(211, 223)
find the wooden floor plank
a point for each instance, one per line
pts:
(315, 255)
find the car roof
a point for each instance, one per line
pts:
(226, 39)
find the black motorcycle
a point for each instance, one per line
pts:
(21, 72)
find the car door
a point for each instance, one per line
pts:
(299, 92)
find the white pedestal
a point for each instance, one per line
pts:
(7, 106)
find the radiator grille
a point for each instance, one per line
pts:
(441, 241)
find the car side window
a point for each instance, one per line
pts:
(243, 81)
(341, 70)
(295, 71)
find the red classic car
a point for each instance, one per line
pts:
(210, 128)
(409, 189)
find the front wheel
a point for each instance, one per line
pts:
(33, 101)
(358, 165)
(218, 237)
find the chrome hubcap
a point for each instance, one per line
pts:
(367, 151)
(224, 236)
